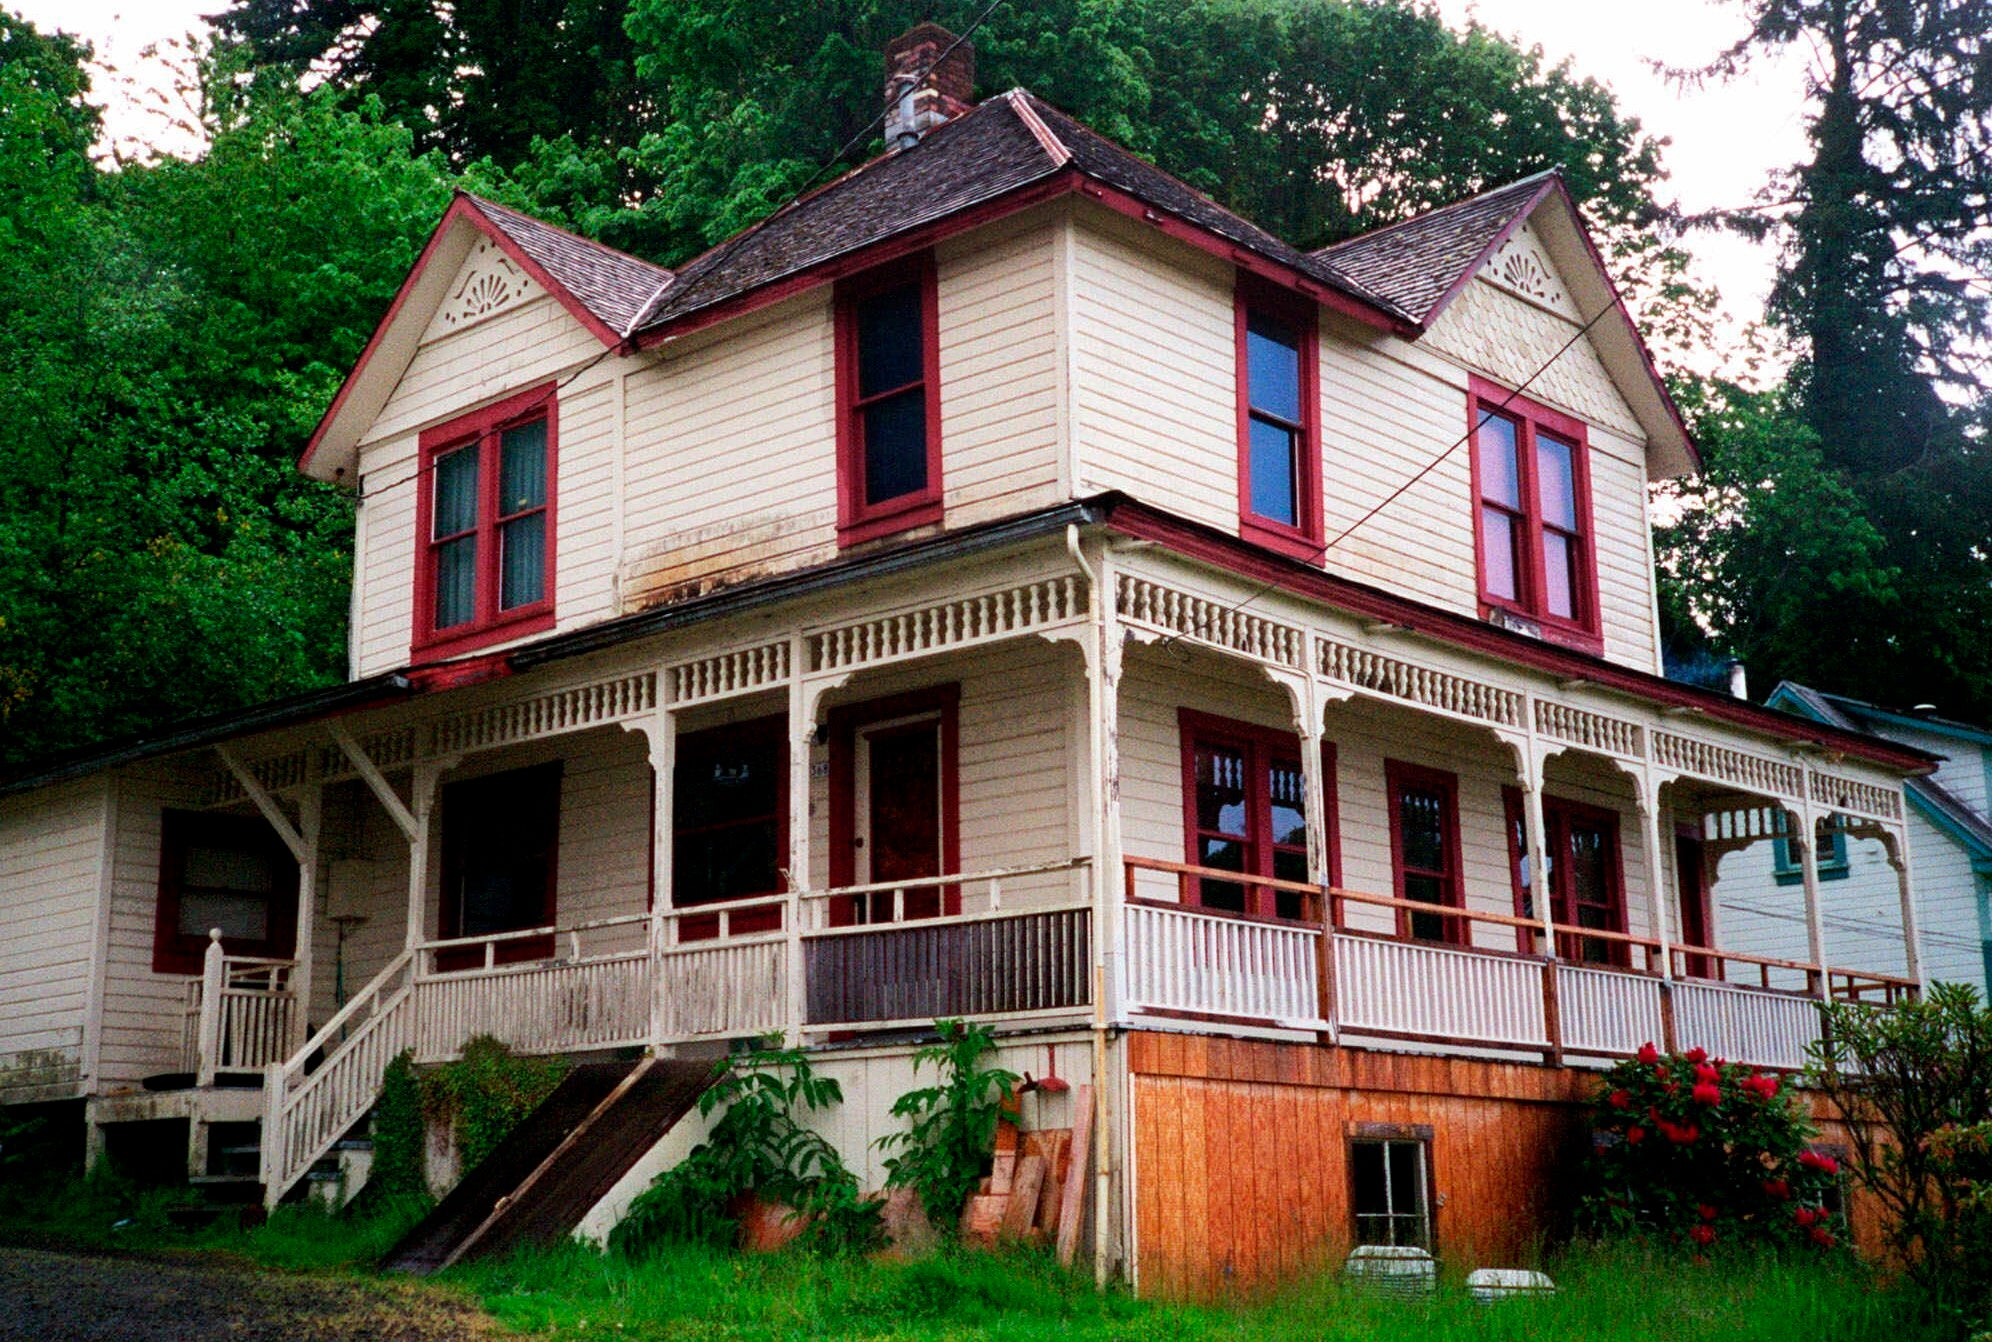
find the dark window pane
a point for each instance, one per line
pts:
(1224, 855)
(240, 917)
(1275, 495)
(1369, 1189)
(229, 888)
(522, 561)
(1559, 562)
(1498, 567)
(499, 841)
(1556, 481)
(1494, 452)
(729, 863)
(896, 446)
(522, 468)
(1407, 1185)
(717, 786)
(889, 353)
(455, 493)
(1421, 816)
(456, 581)
(1288, 793)
(1272, 360)
(1221, 789)
(1427, 890)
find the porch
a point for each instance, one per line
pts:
(1016, 805)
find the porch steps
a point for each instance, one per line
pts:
(557, 1164)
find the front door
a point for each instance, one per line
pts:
(897, 834)
(500, 838)
(1691, 875)
(1586, 889)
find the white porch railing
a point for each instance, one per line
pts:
(1187, 962)
(1765, 1029)
(240, 1014)
(1608, 1012)
(1438, 993)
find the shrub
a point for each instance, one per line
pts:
(1913, 1084)
(1711, 1151)
(757, 1147)
(945, 1149)
(398, 1175)
(486, 1093)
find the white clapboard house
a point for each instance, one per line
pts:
(1003, 584)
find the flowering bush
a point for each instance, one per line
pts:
(1714, 1151)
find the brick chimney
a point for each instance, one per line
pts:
(915, 105)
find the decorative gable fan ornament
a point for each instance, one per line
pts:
(490, 284)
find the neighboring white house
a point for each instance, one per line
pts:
(1002, 584)
(1762, 905)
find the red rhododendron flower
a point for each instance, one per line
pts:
(1634, 1135)
(1763, 1087)
(1805, 1216)
(1648, 1054)
(1702, 1235)
(1814, 1160)
(1707, 1075)
(1707, 1092)
(1620, 1100)
(1822, 1237)
(1696, 1055)
(1778, 1189)
(1679, 1134)
(1706, 1212)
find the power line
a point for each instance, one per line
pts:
(1321, 550)
(732, 244)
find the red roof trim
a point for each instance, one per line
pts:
(1199, 542)
(1520, 217)
(464, 208)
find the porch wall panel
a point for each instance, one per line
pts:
(51, 847)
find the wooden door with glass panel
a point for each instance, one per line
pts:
(897, 833)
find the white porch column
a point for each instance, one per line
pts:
(310, 821)
(1652, 835)
(1805, 839)
(1897, 844)
(422, 804)
(804, 702)
(1535, 839)
(660, 734)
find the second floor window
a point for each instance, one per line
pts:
(1279, 439)
(1533, 519)
(888, 401)
(486, 568)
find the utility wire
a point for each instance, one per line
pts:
(1321, 550)
(720, 258)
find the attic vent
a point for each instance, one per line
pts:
(490, 284)
(1520, 266)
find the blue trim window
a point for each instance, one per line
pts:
(1832, 860)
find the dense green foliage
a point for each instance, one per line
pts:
(1706, 1153)
(950, 1132)
(1620, 1293)
(486, 1093)
(400, 1137)
(761, 1146)
(1915, 1085)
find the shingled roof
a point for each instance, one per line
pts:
(1005, 143)
(613, 285)
(1415, 264)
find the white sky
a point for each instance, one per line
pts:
(1724, 138)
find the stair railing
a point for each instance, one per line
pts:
(307, 1109)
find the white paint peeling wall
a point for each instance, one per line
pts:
(51, 848)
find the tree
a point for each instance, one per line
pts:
(1886, 249)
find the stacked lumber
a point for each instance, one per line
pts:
(1036, 1189)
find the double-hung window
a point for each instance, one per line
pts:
(888, 401)
(1831, 861)
(1425, 850)
(1279, 420)
(1533, 516)
(1245, 810)
(1389, 1191)
(485, 498)
(227, 873)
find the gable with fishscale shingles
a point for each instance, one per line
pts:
(1509, 323)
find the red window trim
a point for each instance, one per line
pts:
(489, 625)
(772, 728)
(174, 952)
(856, 521)
(1397, 776)
(1556, 814)
(842, 725)
(1304, 541)
(1584, 632)
(1194, 727)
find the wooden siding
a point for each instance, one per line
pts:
(1154, 413)
(51, 848)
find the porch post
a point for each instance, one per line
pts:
(660, 734)
(802, 701)
(1806, 840)
(1897, 844)
(422, 803)
(1305, 698)
(310, 821)
(1535, 841)
(1649, 784)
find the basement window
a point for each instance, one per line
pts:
(1389, 1189)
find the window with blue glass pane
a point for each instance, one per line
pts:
(1275, 428)
(454, 534)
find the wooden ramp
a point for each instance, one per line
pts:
(557, 1164)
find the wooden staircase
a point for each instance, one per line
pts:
(557, 1164)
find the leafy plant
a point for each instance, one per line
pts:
(1913, 1084)
(399, 1138)
(486, 1093)
(1712, 1151)
(758, 1146)
(945, 1149)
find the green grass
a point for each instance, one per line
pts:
(1627, 1292)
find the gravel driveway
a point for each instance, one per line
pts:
(57, 1297)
